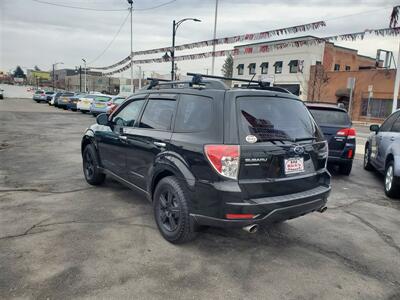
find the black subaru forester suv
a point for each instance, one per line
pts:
(208, 155)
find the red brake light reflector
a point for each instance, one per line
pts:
(240, 216)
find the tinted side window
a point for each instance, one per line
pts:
(158, 114)
(129, 114)
(396, 126)
(194, 113)
(387, 125)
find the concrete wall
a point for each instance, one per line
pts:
(308, 54)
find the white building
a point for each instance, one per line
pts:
(287, 63)
(288, 67)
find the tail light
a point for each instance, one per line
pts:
(350, 133)
(224, 159)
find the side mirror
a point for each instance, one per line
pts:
(102, 119)
(374, 128)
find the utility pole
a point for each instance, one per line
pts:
(54, 68)
(131, 9)
(80, 78)
(396, 83)
(173, 52)
(84, 63)
(140, 77)
(215, 36)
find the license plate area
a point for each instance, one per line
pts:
(294, 165)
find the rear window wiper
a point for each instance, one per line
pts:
(309, 138)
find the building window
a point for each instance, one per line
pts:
(264, 68)
(337, 67)
(252, 68)
(293, 66)
(318, 63)
(378, 108)
(240, 68)
(278, 67)
(347, 68)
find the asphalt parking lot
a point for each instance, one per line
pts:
(61, 238)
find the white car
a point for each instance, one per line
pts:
(85, 102)
(54, 97)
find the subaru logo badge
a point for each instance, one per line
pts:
(298, 150)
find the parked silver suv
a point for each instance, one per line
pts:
(382, 152)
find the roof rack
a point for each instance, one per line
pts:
(253, 84)
(196, 82)
(211, 82)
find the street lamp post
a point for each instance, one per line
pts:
(175, 26)
(130, 9)
(84, 63)
(54, 67)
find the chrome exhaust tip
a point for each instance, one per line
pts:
(322, 209)
(251, 228)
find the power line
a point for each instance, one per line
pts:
(157, 6)
(76, 7)
(112, 41)
(100, 9)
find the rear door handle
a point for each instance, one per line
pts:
(123, 137)
(159, 144)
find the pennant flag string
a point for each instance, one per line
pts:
(226, 40)
(265, 48)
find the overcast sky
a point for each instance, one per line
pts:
(33, 33)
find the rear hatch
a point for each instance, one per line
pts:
(282, 150)
(334, 123)
(102, 102)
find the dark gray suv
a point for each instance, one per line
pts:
(382, 152)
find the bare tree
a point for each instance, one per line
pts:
(319, 78)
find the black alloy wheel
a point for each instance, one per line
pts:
(90, 166)
(171, 211)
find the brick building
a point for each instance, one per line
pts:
(372, 95)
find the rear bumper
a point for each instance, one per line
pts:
(271, 209)
(339, 160)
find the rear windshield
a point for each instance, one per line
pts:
(49, 93)
(269, 119)
(67, 94)
(102, 99)
(330, 116)
(38, 92)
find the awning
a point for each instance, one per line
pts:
(293, 63)
(252, 65)
(240, 66)
(342, 92)
(263, 65)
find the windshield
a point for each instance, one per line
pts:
(49, 93)
(270, 119)
(330, 116)
(38, 92)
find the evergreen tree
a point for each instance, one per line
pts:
(19, 73)
(227, 67)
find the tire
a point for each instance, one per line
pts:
(37, 101)
(345, 169)
(367, 159)
(391, 183)
(94, 115)
(90, 160)
(171, 211)
(83, 111)
(65, 108)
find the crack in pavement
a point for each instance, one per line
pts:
(40, 225)
(352, 264)
(385, 237)
(38, 190)
(26, 232)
